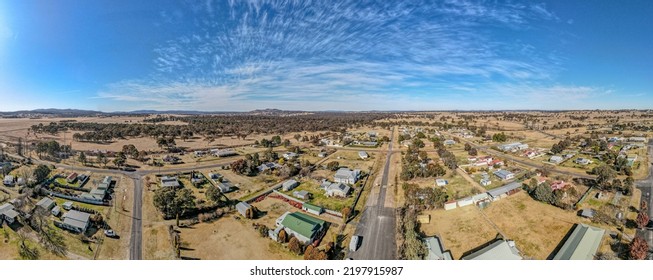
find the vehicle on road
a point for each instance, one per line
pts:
(354, 243)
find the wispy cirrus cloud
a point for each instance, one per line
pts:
(312, 54)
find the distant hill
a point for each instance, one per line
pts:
(52, 112)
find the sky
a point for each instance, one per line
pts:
(241, 55)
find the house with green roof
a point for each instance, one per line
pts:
(582, 244)
(304, 227)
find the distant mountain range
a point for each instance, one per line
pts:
(82, 113)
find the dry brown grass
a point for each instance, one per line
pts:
(537, 228)
(461, 229)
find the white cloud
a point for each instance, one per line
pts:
(304, 53)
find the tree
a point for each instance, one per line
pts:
(213, 194)
(41, 172)
(308, 252)
(82, 158)
(174, 203)
(499, 137)
(604, 176)
(294, 246)
(472, 152)
(468, 147)
(119, 161)
(102, 158)
(263, 230)
(333, 166)
(283, 236)
(638, 248)
(345, 213)
(642, 219)
(543, 193)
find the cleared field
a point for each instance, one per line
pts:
(537, 228)
(461, 229)
(352, 160)
(230, 239)
(320, 198)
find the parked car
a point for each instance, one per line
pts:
(110, 233)
(353, 244)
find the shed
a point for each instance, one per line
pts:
(424, 219)
(449, 205)
(504, 190)
(242, 208)
(289, 185)
(67, 205)
(587, 213)
(304, 194)
(56, 211)
(311, 208)
(465, 201)
(46, 204)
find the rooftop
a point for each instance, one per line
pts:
(581, 244)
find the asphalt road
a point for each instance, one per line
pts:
(377, 225)
(136, 238)
(646, 186)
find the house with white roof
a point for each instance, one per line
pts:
(346, 176)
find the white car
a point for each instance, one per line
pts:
(110, 233)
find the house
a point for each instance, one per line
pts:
(171, 159)
(337, 189)
(322, 154)
(8, 213)
(290, 155)
(485, 182)
(441, 182)
(366, 143)
(513, 147)
(71, 178)
(224, 152)
(215, 176)
(170, 182)
(289, 185)
(582, 244)
(558, 185)
(371, 134)
(449, 142)
(637, 139)
(465, 201)
(20, 181)
(242, 207)
(556, 159)
(268, 166)
(9, 181)
(435, 249)
(46, 204)
(504, 174)
(587, 213)
(56, 211)
(346, 176)
(582, 161)
(497, 250)
(304, 227)
(76, 221)
(481, 197)
(504, 190)
(304, 194)
(496, 162)
(224, 186)
(540, 180)
(363, 155)
(67, 205)
(313, 209)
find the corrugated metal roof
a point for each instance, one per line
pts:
(498, 250)
(581, 244)
(504, 189)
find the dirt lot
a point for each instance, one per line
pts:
(537, 228)
(230, 239)
(461, 229)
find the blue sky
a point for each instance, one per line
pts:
(235, 55)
